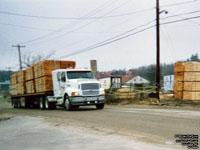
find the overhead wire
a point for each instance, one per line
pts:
(74, 18)
(106, 42)
(95, 11)
(74, 30)
(109, 40)
(26, 27)
(181, 3)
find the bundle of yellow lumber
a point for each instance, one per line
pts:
(187, 80)
(37, 78)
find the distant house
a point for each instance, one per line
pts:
(126, 80)
(133, 79)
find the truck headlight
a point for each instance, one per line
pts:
(102, 92)
(75, 94)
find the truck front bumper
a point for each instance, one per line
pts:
(87, 100)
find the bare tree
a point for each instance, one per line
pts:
(29, 60)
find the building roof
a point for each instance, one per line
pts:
(126, 78)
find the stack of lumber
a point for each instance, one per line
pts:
(17, 83)
(187, 80)
(29, 80)
(43, 73)
(20, 86)
(37, 78)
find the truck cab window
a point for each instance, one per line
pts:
(63, 78)
(58, 76)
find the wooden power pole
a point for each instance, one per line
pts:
(19, 52)
(158, 49)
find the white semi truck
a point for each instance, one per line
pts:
(74, 88)
(71, 88)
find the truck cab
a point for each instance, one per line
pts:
(76, 87)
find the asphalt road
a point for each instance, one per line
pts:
(154, 125)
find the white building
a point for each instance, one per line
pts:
(134, 80)
(169, 82)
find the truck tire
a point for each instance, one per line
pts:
(67, 104)
(42, 105)
(100, 106)
(46, 104)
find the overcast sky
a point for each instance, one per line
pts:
(68, 27)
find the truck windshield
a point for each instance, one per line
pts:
(79, 74)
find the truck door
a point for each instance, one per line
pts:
(62, 83)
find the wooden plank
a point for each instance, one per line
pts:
(191, 76)
(13, 89)
(179, 67)
(29, 73)
(20, 87)
(178, 94)
(178, 86)
(46, 67)
(13, 78)
(192, 66)
(192, 86)
(21, 77)
(44, 84)
(179, 76)
(67, 64)
(29, 85)
(191, 95)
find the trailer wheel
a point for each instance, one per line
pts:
(67, 104)
(42, 105)
(100, 106)
(46, 103)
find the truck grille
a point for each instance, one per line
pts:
(90, 86)
(90, 89)
(90, 92)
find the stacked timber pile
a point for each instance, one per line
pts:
(187, 80)
(29, 80)
(13, 84)
(37, 78)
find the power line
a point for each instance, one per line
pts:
(177, 15)
(26, 27)
(179, 3)
(189, 18)
(74, 18)
(108, 41)
(97, 10)
(30, 41)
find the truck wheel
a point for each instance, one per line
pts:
(100, 106)
(42, 105)
(46, 104)
(67, 104)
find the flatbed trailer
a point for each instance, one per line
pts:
(32, 100)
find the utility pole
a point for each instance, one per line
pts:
(19, 52)
(158, 49)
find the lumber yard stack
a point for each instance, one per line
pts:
(37, 78)
(187, 80)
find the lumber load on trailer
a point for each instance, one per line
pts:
(30, 87)
(29, 73)
(37, 78)
(46, 67)
(13, 79)
(44, 84)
